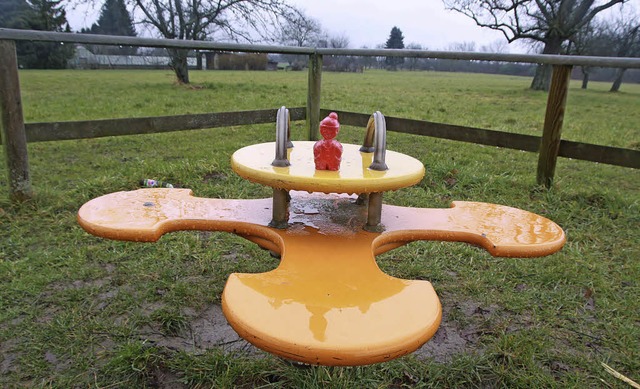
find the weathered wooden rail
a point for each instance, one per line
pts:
(16, 134)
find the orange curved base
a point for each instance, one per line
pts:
(382, 321)
(327, 302)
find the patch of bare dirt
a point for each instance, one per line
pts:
(164, 379)
(9, 362)
(209, 328)
(214, 176)
(61, 286)
(454, 338)
(58, 364)
(463, 325)
(206, 329)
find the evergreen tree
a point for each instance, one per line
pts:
(114, 20)
(14, 14)
(43, 15)
(395, 41)
(46, 15)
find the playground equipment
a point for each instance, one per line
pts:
(327, 302)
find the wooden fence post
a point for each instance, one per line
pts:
(14, 138)
(313, 96)
(552, 132)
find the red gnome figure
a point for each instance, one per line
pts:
(327, 153)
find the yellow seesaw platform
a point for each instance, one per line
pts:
(254, 164)
(327, 302)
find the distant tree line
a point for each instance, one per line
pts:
(595, 37)
(549, 26)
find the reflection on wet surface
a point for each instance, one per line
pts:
(323, 272)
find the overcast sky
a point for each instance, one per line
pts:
(369, 22)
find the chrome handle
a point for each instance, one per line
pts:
(380, 150)
(283, 121)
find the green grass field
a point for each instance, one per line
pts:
(80, 311)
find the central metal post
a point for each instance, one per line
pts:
(280, 216)
(374, 211)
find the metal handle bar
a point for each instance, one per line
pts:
(283, 133)
(376, 133)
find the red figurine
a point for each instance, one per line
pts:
(327, 153)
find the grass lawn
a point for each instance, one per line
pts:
(80, 311)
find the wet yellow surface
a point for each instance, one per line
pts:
(254, 163)
(327, 302)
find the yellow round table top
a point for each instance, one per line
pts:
(354, 176)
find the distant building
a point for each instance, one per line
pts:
(283, 66)
(85, 59)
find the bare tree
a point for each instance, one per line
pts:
(339, 63)
(339, 41)
(625, 37)
(497, 46)
(366, 62)
(299, 30)
(412, 62)
(550, 22)
(593, 39)
(201, 19)
(462, 46)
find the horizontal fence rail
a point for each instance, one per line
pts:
(40, 132)
(568, 149)
(47, 36)
(86, 129)
(15, 133)
(112, 40)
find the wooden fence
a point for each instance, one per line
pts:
(16, 134)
